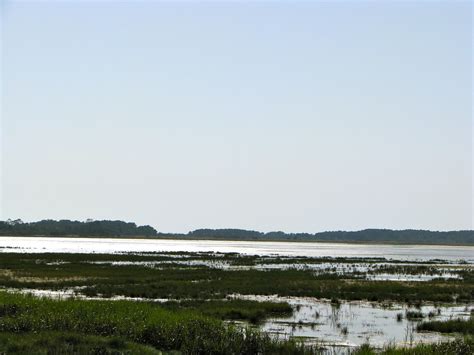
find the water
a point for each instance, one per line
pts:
(340, 327)
(316, 321)
(354, 323)
(353, 269)
(309, 249)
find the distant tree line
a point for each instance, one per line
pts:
(93, 228)
(368, 235)
(75, 228)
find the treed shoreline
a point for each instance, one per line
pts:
(121, 229)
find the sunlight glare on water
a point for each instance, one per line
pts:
(309, 249)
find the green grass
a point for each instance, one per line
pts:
(69, 343)
(252, 311)
(194, 324)
(414, 315)
(449, 326)
(463, 346)
(138, 322)
(181, 281)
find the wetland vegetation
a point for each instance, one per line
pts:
(462, 346)
(230, 303)
(143, 323)
(215, 276)
(458, 325)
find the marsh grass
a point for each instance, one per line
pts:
(185, 330)
(60, 271)
(463, 326)
(193, 324)
(461, 346)
(414, 315)
(234, 309)
(69, 343)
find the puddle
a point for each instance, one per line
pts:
(153, 264)
(411, 278)
(74, 293)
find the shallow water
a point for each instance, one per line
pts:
(115, 245)
(340, 327)
(75, 293)
(354, 323)
(352, 269)
(411, 278)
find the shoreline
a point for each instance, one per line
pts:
(395, 243)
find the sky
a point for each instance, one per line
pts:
(300, 116)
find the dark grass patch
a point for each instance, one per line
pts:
(252, 311)
(69, 343)
(463, 346)
(449, 326)
(414, 315)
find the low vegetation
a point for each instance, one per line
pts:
(462, 346)
(462, 326)
(148, 324)
(252, 311)
(69, 343)
(199, 310)
(191, 277)
(414, 315)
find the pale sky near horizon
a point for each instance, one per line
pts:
(271, 115)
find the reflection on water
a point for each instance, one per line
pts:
(360, 270)
(115, 245)
(355, 323)
(75, 293)
(411, 278)
(344, 325)
(338, 326)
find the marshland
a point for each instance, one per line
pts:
(215, 302)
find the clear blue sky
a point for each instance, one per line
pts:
(271, 115)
